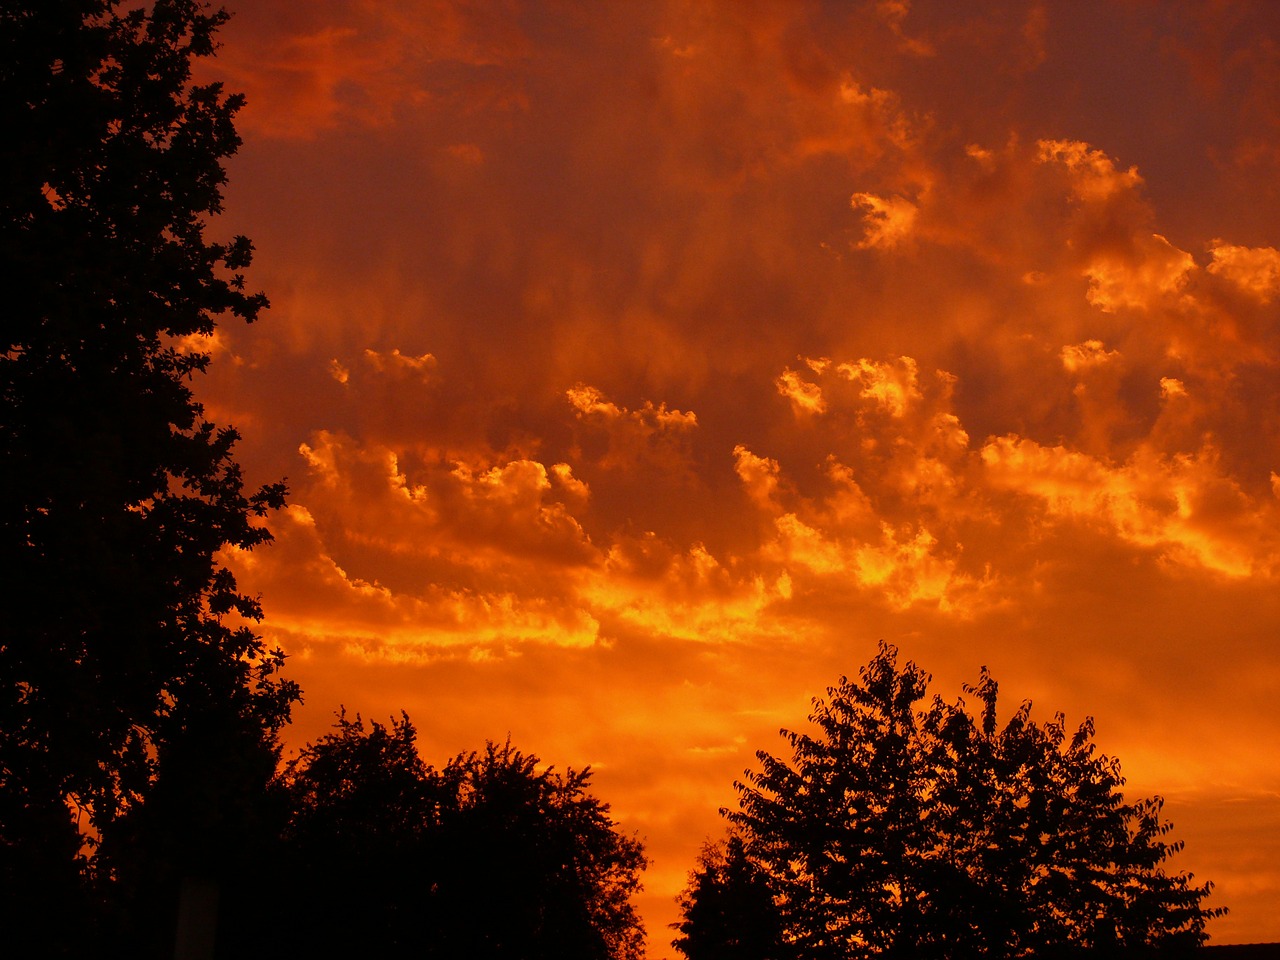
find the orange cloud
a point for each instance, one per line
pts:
(477, 516)
(1094, 176)
(318, 604)
(894, 386)
(889, 220)
(1156, 271)
(758, 474)
(397, 361)
(1182, 505)
(805, 397)
(589, 401)
(688, 595)
(650, 434)
(1087, 355)
(1255, 270)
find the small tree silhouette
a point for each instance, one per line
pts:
(893, 831)
(728, 908)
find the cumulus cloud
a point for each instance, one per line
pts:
(1088, 355)
(759, 476)
(477, 516)
(623, 439)
(1152, 272)
(900, 567)
(395, 361)
(563, 473)
(1094, 176)
(588, 401)
(893, 385)
(863, 533)
(1255, 270)
(805, 397)
(648, 584)
(321, 604)
(889, 220)
(1182, 506)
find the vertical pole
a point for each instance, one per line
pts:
(197, 919)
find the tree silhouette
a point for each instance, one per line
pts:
(125, 650)
(490, 856)
(728, 908)
(897, 831)
(539, 845)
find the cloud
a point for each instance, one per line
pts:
(892, 385)
(588, 401)
(487, 517)
(395, 361)
(1182, 506)
(1088, 355)
(647, 584)
(894, 14)
(805, 397)
(889, 220)
(863, 533)
(563, 474)
(320, 604)
(1153, 272)
(759, 476)
(619, 438)
(1094, 177)
(901, 567)
(1254, 270)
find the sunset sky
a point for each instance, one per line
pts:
(637, 366)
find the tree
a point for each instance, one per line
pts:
(538, 844)
(127, 648)
(897, 831)
(728, 908)
(491, 856)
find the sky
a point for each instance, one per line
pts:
(636, 367)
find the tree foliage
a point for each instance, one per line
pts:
(728, 910)
(894, 830)
(125, 649)
(492, 855)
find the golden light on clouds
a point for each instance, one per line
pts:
(636, 367)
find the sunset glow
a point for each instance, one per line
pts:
(636, 367)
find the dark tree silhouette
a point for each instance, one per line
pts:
(897, 831)
(540, 847)
(125, 651)
(728, 908)
(492, 856)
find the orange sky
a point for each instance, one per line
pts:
(636, 366)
